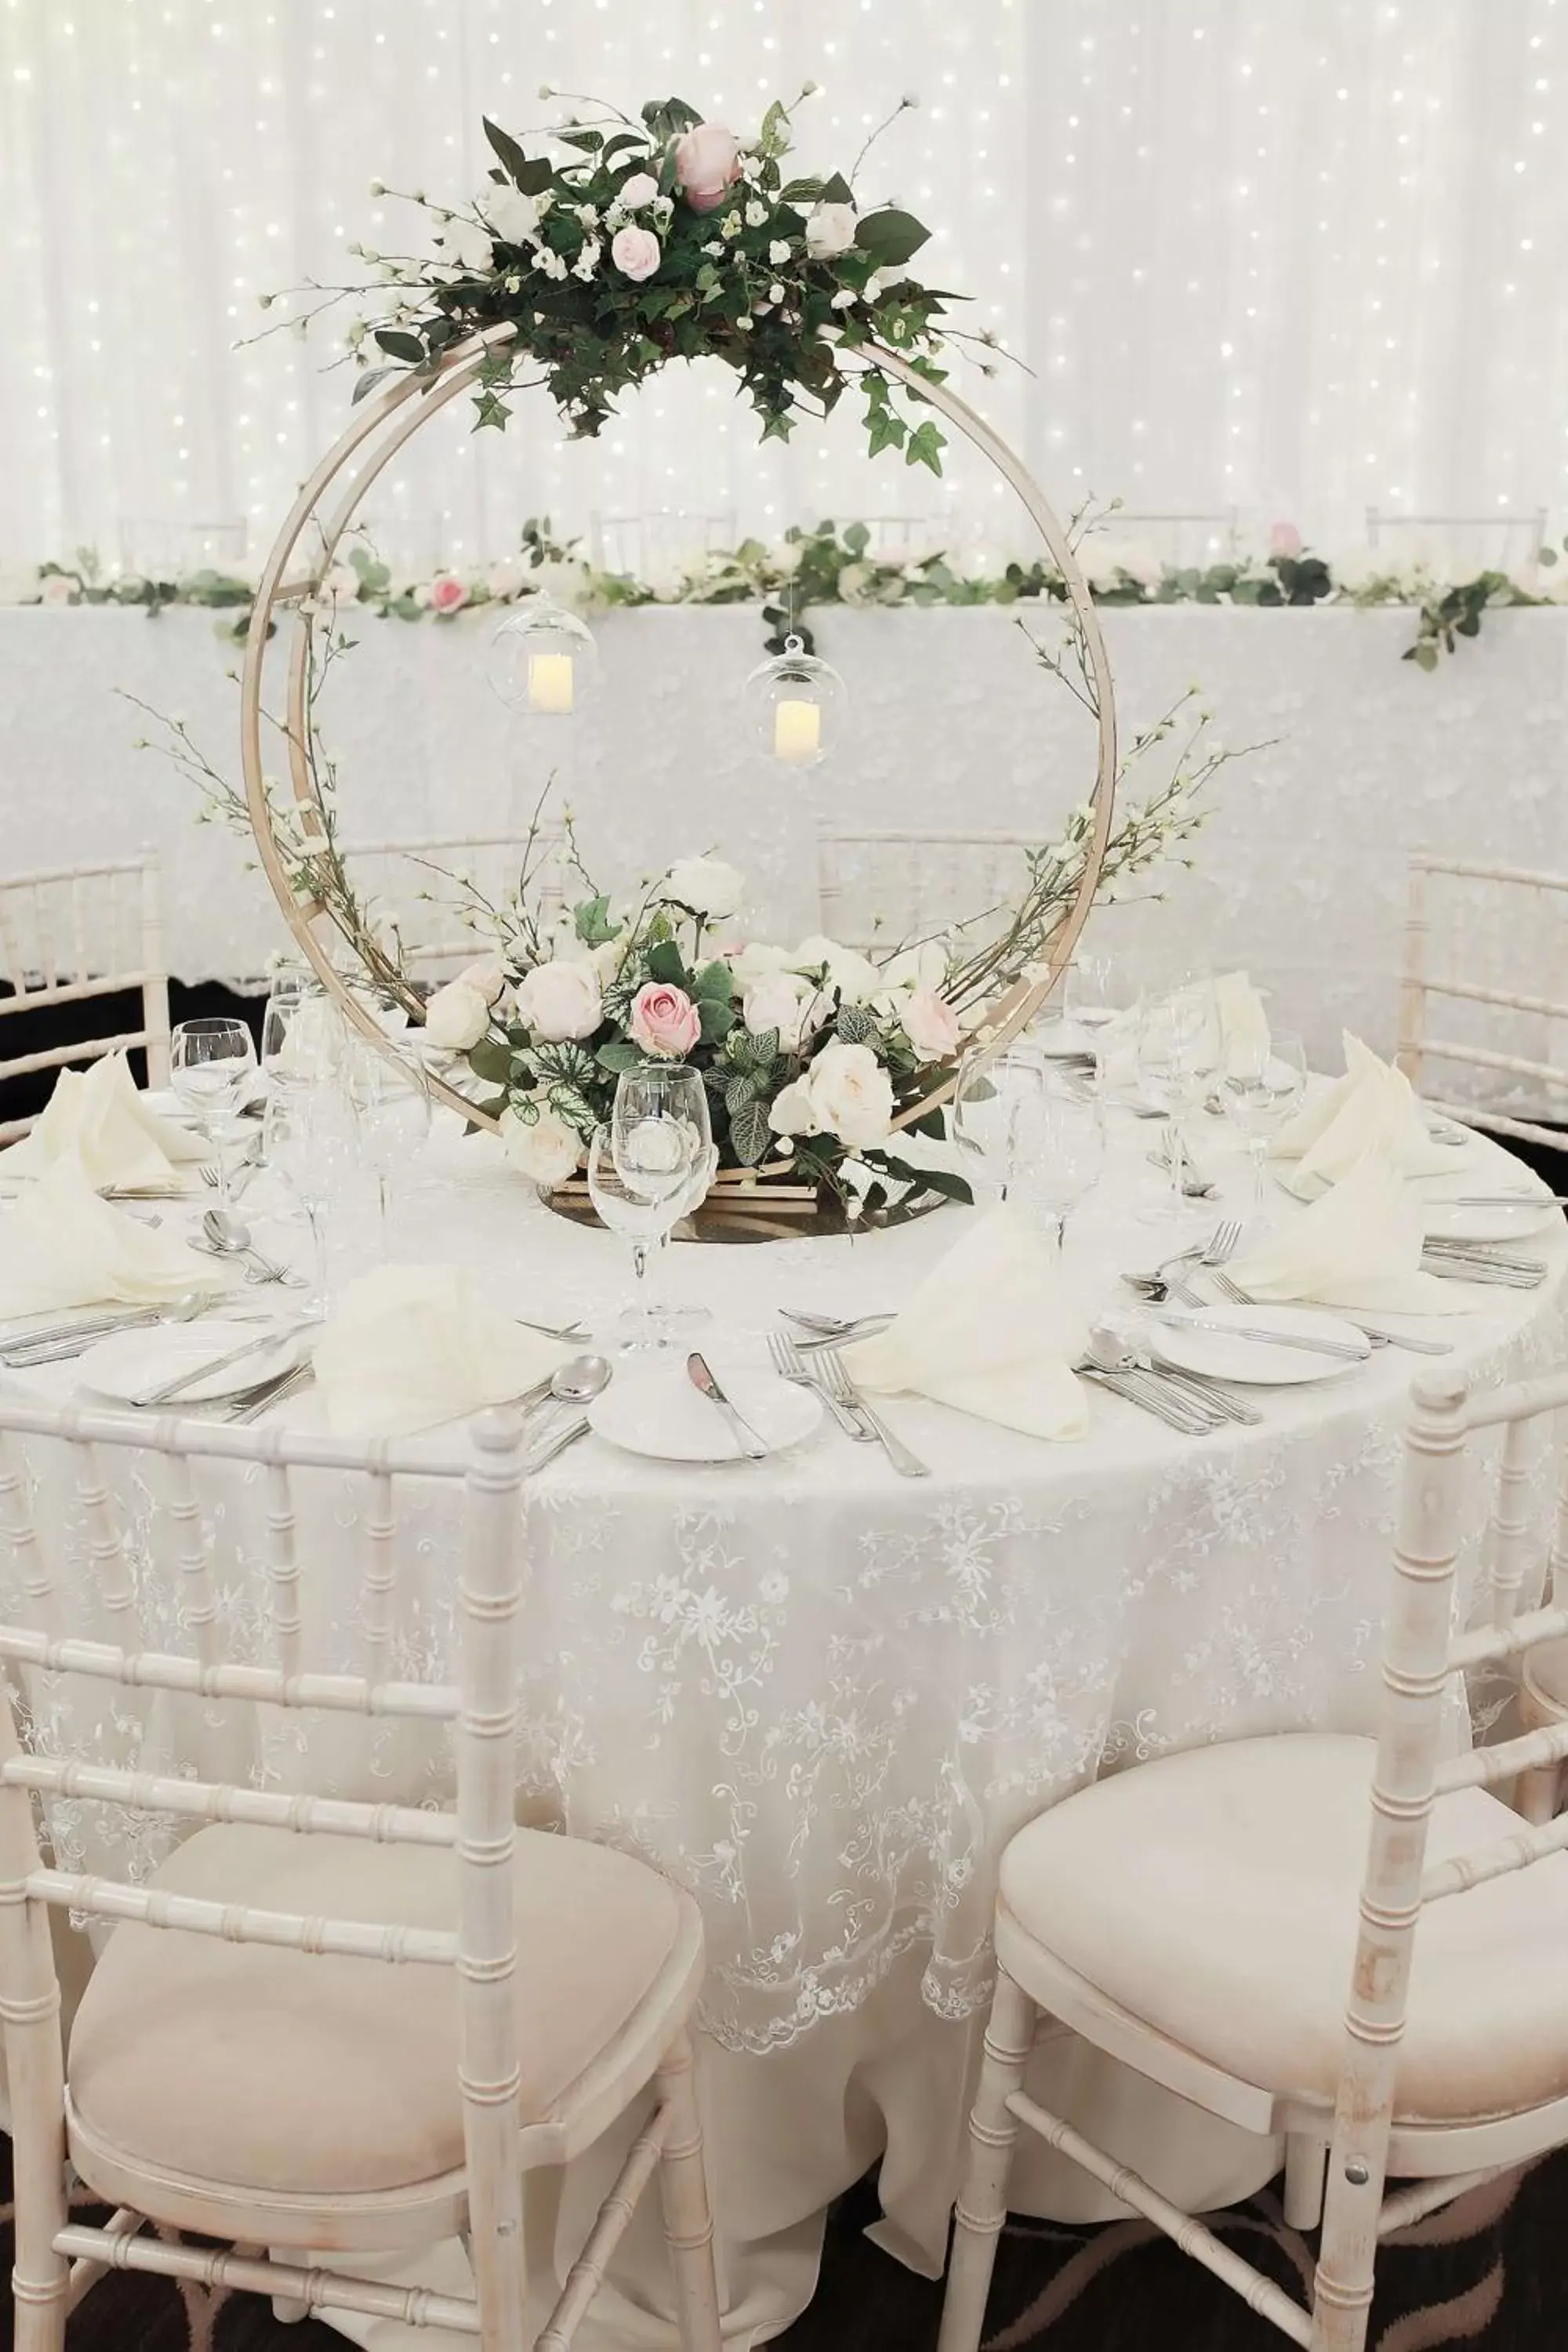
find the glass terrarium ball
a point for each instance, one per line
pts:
(795, 703)
(543, 661)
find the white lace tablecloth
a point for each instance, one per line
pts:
(949, 724)
(821, 1696)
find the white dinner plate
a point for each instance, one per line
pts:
(122, 1366)
(659, 1413)
(1445, 1221)
(1224, 1357)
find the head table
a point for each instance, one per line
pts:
(822, 1696)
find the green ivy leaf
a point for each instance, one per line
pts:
(925, 446)
(923, 1179)
(366, 383)
(750, 1134)
(508, 152)
(399, 346)
(590, 921)
(891, 236)
(490, 1060)
(620, 1054)
(717, 1019)
(666, 962)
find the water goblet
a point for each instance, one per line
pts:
(1258, 1093)
(997, 1119)
(392, 1107)
(1179, 1050)
(311, 1141)
(1071, 1156)
(209, 1062)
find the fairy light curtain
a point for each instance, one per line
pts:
(1295, 256)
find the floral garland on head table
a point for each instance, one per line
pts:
(831, 564)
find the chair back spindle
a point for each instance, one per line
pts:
(72, 936)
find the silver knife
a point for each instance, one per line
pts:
(558, 1444)
(701, 1378)
(194, 1373)
(1264, 1336)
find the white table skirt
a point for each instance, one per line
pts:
(1302, 871)
(823, 1698)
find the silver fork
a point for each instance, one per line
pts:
(1221, 1245)
(790, 1365)
(1376, 1332)
(907, 1464)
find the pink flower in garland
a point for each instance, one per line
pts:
(447, 595)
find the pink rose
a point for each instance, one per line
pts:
(640, 190)
(707, 163)
(1284, 539)
(664, 1021)
(447, 595)
(635, 252)
(931, 1025)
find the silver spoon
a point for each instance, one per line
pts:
(230, 1236)
(54, 1345)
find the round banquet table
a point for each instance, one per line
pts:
(823, 1696)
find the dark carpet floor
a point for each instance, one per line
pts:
(1488, 2273)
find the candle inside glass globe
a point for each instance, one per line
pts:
(795, 704)
(543, 662)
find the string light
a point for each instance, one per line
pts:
(1198, 337)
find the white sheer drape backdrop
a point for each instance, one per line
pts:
(1295, 256)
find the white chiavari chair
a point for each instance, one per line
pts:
(659, 547)
(876, 888)
(1196, 1918)
(414, 887)
(1181, 541)
(323, 2024)
(1471, 543)
(70, 936)
(1473, 946)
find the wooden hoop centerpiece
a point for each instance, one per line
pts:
(325, 509)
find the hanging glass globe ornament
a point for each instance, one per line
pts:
(796, 702)
(543, 661)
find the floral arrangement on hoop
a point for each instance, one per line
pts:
(834, 564)
(817, 1057)
(656, 239)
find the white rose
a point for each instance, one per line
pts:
(757, 961)
(778, 252)
(855, 976)
(829, 230)
(852, 1095)
(922, 967)
(545, 1149)
(784, 1001)
(705, 885)
(505, 578)
(640, 189)
(792, 1110)
(466, 247)
(854, 583)
(458, 1015)
(513, 215)
(560, 1000)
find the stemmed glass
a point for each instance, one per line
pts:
(392, 1108)
(1180, 1048)
(1072, 1154)
(303, 1033)
(1260, 1096)
(645, 1172)
(209, 1063)
(997, 1119)
(310, 1135)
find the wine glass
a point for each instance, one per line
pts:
(392, 1108)
(1094, 989)
(1179, 1050)
(645, 1171)
(311, 1141)
(303, 1034)
(997, 1119)
(1072, 1155)
(209, 1062)
(1260, 1091)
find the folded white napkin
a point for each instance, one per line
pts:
(410, 1347)
(1358, 1245)
(95, 1119)
(987, 1331)
(60, 1246)
(1244, 1024)
(1244, 1029)
(1371, 1109)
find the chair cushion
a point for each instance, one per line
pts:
(1546, 1676)
(250, 2066)
(1213, 1896)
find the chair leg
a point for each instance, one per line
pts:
(1306, 2159)
(982, 2206)
(1535, 1796)
(688, 2214)
(40, 2278)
